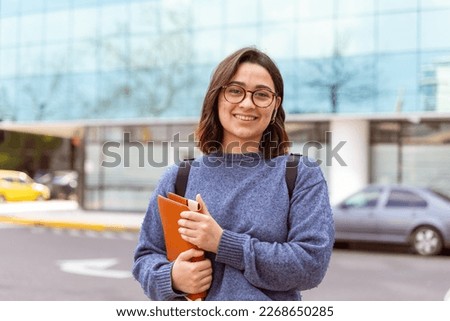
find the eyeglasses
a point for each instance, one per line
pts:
(235, 94)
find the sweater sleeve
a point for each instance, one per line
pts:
(151, 267)
(301, 261)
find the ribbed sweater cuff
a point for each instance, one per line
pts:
(163, 279)
(231, 249)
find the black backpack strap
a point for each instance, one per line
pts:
(291, 172)
(182, 176)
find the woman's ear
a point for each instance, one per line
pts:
(274, 115)
(277, 103)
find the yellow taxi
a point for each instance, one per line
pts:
(18, 186)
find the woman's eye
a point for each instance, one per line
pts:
(262, 94)
(235, 91)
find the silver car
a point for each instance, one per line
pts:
(395, 214)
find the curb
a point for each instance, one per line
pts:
(68, 225)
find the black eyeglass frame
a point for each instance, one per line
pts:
(274, 95)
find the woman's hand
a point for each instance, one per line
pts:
(200, 228)
(191, 277)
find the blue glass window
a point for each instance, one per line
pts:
(434, 30)
(356, 35)
(398, 5)
(8, 62)
(9, 7)
(354, 7)
(57, 26)
(9, 31)
(313, 9)
(32, 29)
(397, 32)
(315, 38)
(397, 83)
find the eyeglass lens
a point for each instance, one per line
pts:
(261, 97)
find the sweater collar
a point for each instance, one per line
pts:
(238, 157)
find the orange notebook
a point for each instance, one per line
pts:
(170, 208)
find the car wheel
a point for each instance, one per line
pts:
(426, 240)
(2, 199)
(40, 198)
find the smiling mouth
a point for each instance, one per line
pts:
(244, 117)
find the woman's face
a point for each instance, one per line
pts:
(243, 123)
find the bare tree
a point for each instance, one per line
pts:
(157, 68)
(6, 108)
(342, 79)
(41, 98)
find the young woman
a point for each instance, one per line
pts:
(259, 243)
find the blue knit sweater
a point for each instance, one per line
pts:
(272, 247)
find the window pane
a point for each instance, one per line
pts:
(32, 6)
(114, 53)
(421, 169)
(145, 17)
(29, 99)
(56, 59)
(60, 4)
(8, 31)
(240, 37)
(57, 26)
(364, 199)
(9, 7)
(114, 95)
(397, 5)
(85, 56)
(273, 11)
(31, 30)
(315, 39)
(400, 198)
(31, 60)
(416, 166)
(434, 4)
(207, 13)
(141, 51)
(85, 23)
(174, 16)
(8, 108)
(355, 7)
(397, 32)
(356, 35)
(114, 20)
(84, 91)
(434, 30)
(8, 62)
(238, 12)
(207, 46)
(54, 102)
(312, 9)
(84, 3)
(397, 83)
(435, 81)
(279, 41)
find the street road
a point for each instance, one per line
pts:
(50, 264)
(47, 264)
(368, 272)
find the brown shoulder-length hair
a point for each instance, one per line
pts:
(274, 141)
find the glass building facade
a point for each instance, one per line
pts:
(91, 59)
(142, 68)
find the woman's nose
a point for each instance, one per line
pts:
(248, 101)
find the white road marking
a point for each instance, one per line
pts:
(94, 267)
